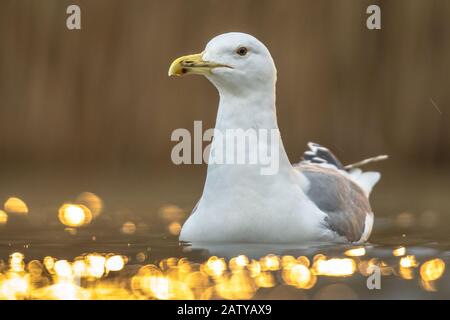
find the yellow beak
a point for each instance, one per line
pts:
(192, 64)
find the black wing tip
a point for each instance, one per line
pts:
(321, 155)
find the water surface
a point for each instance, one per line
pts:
(129, 249)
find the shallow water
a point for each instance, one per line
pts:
(402, 277)
(138, 227)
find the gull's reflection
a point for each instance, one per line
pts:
(257, 250)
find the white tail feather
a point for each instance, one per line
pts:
(366, 180)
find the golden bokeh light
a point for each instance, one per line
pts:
(115, 263)
(237, 286)
(16, 262)
(406, 273)
(63, 269)
(108, 276)
(406, 267)
(428, 285)
(301, 277)
(265, 280)
(14, 287)
(151, 282)
(166, 264)
(141, 257)
(74, 215)
(398, 252)
(287, 262)
(16, 206)
(319, 256)
(3, 217)
(270, 262)
(174, 228)
(241, 260)
(432, 270)
(62, 291)
(197, 280)
(366, 268)
(49, 263)
(79, 267)
(93, 202)
(304, 261)
(355, 252)
(171, 213)
(408, 262)
(95, 265)
(386, 270)
(334, 267)
(140, 283)
(254, 267)
(159, 286)
(215, 267)
(238, 263)
(128, 228)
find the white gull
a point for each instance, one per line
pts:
(317, 199)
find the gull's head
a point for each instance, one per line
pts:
(232, 61)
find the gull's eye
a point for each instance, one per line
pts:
(242, 51)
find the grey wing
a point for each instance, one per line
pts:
(341, 199)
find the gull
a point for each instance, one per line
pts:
(317, 199)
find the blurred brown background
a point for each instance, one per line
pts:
(99, 99)
(101, 96)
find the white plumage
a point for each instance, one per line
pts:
(314, 200)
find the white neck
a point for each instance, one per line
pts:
(253, 110)
(249, 110)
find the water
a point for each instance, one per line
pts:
(140, 217)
